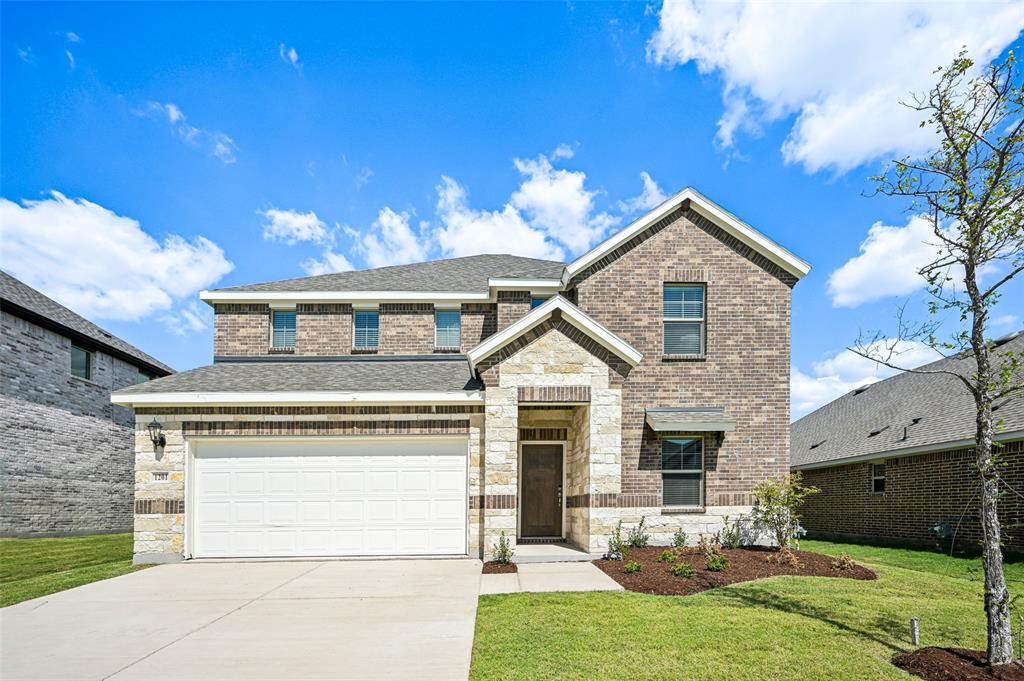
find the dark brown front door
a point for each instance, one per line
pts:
(541, 509)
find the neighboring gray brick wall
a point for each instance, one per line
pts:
(66, 453)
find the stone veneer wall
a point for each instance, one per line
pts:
(160, 505)
(65, 451)
(920, 491)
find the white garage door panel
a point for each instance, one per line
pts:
(368, 497)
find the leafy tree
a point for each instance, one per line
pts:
(971, 191)
(777, 505)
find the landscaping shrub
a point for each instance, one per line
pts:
(776, 506)
(638, 536)
(683, 570)
(786, 557)
(707, 546)
(679, 539)
(716, 563)
(631, 567)
(668, 556)
(843, 562)
(503, 551)
(733, 534)
(618, 549)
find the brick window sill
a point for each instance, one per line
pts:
(364, 351)
(682, 510)
(684, 358)
(281, 351)
(447, 348)
(87, 381)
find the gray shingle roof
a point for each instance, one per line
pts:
(425, 373)
(843, 429)
(468, 274)
(15, 294)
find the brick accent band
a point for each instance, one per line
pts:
(612, 500)
(494, 501)
(312, 411)
(165, 506)
(292, 428)
(543, 434)
(555, 393)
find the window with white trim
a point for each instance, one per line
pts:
(366, 331)
(683, 319)
(682, 472)
(283, 333)
(447, 329)
(878, 478)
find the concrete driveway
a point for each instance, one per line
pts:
(263, 620)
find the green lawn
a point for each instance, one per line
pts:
(30, 568)
(779, 628)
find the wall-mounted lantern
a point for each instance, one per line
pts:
(156, 433)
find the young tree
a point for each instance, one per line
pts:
(971, 190)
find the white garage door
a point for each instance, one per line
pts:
(352, 497)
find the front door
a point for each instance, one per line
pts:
(540, 514)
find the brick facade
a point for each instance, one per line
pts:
(920, 491)
(66, 463)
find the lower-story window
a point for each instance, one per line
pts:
(682, 472)
(878, 478)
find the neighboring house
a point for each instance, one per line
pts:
(431, 408)
(895, 459)
(66, 453)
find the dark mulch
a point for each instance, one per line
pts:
(745, 564)
(956, 664)
(492, 568)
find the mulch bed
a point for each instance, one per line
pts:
(745, 564)
(956, 664)
(492, 568)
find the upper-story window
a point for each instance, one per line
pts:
(447, 328)
(283, 335)
(144, 376)
(81, 362)
(682, 472)
(366, 332)
(683, 319)
(537, 301)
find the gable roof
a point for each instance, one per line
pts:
(543, 312)
(709, 209)
(21, 300)
(396, 379)
(935, 410)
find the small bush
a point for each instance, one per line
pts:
(618, 549)
(631, 567)
(733, 534)
(668, 556)
(503, 551)
(784, 557)
(683, 570)
(679, 539)
(843, 562)
(638, 536)
(716, 563)
(708, 547)
(777, 505)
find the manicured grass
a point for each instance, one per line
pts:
(30, 568)
(778, 628)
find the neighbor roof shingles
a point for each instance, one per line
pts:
(400, 374)
(468, 274)
(17, 293)
(841, 429)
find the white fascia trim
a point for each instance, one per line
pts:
(537, 315)
(525, 284)
(270, 297)
(709, 209)
(297, 398)
(906, 451)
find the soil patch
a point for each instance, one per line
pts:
(956, 664)
(492, 568)
(745, 564)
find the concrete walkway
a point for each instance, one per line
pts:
(539, 577)
(268, 620)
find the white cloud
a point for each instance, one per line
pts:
(846, 370)
(189, 318)
(651, 196)
(562, 151)
(888, 265)
(73, 37)
(1010, 322)
(218, 144)
(25, 54)
(390, 241)
(467, 231)
(291, 227)
(71, 59)
(363, 177)
(840, 68)
(103, 265)
(330, 262)
(289, 55)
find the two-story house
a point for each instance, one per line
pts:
(430, 408)
(67, 455)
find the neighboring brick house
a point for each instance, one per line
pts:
(430, 408)
(66, 453)
(895, 459)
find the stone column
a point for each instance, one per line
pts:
(501, 462)
(605, 463)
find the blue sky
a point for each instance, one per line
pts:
(197, 146)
